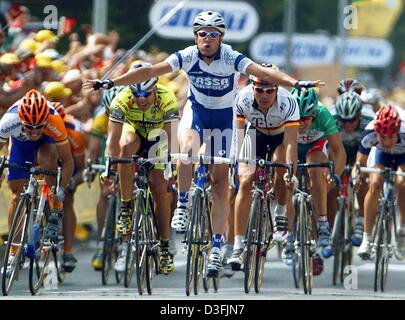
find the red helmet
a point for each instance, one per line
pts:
(33, 108)
(59, 108)
(387, 121)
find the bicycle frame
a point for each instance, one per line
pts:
(26, 226)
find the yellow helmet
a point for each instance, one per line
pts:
(46, 35)
(29, 44)
(56, 90)
(43, 61)
(59, 66)
(9, 58)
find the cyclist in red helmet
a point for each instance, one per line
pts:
(383, 146)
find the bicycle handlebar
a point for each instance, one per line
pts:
(200, 159)
(28, 167)
(378, 171)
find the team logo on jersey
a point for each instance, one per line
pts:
(10, 128)
(54, 130)
(210, 83)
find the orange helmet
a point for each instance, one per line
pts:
(33, 109)
(59, 108)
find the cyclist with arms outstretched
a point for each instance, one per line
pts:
(212, 68)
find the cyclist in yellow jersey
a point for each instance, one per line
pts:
(137, 116)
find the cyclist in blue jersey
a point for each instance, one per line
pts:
(212, 68)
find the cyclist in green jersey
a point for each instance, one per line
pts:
(318, 141)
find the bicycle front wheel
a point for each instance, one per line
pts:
(108, 242)
(264, 238)
(337, 242)
(15, 244)
(206, 236)
(193, 246)
(152, 249)
(251, 244)
(305, 247)
(42, 254)
(141, 249)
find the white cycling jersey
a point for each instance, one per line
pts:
(212, 86)
(283, 112)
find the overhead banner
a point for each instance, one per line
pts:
(375, 18)
(241, 19)
(368, 52)
(307, 49)
(315, 50)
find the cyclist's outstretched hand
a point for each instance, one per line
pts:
(92, 85)
(305, 84)
(318, 83)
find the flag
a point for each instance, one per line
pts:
(386, 12)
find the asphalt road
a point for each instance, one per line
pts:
(85, 284)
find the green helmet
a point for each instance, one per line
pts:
(307, 101)
(109, 95)
(348, 105)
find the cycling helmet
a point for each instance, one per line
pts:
(372, 96)
(387, 121)
(109, 95)
(258, 81)
(59, 108)
(33, 109)
(348, 105)
(307, 101)
(209, 19)
(350, 85)
(146, 85)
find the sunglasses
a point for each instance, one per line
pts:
(143, 94)
(31, 127)
(306, 119)
(348, 120)
(265, 90)
(213, 34)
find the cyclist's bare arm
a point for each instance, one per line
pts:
(240, 134)
(113, 141)
(143, 74)
(136, 76)
(169, 127)
(277, 77)
(94, 148)
(65, 154)
(338, 153)
(290, 141)
(362, 160)
(80, 164)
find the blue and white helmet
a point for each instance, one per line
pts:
(209, 19)
(146, 85)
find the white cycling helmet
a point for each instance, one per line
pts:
(146, 85)
(209, 19)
